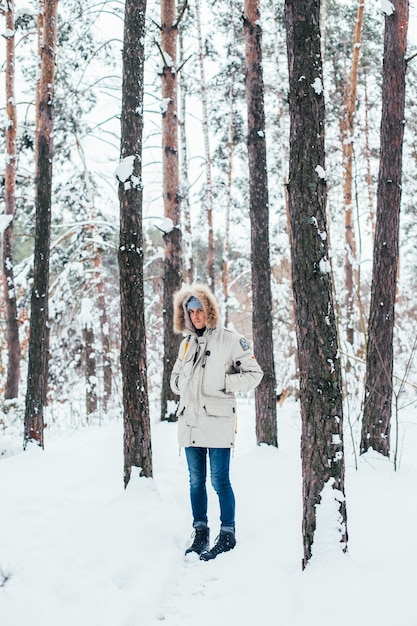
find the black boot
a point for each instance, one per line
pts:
(225, 541)
(201, 540)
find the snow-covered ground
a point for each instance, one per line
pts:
(82, 551)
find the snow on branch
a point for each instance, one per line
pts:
(387, 7)
(167, 225)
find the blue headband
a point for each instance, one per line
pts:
(194, 303)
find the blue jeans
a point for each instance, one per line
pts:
(219, 474)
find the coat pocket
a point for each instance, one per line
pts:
(220, 408)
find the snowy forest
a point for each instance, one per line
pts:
(266, 149)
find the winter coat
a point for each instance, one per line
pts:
(209, 371)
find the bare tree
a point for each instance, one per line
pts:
(265, 393)
(136, 420)
(39, 330)
(13, 345)
(376, 423)
(322, 450)
(172, 199)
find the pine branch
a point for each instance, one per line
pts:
(413, 56)
(181, 15)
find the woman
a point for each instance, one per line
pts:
(213, 364)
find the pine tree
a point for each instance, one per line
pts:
(13, 345)
(376, 423)
(38, 366)
(265, 393)
(137, 435)
(172, 199)
(322, 450)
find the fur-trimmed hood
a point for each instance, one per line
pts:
(182, 322)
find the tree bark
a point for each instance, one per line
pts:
(12, 325)
(322, 451)
(376, 425)
(172, 201)
(39, 329)
(265, 393)
(136, 421)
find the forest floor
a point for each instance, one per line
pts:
(82, 551)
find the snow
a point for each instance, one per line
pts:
(82, 551)
(4, 222)
(165, 102)
(318, 86)
(166, 225)
(324, 265)
(331, 364)
(86, 313)
(125, 172)
(387, 7)
(327, 512)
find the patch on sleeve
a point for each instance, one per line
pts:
(244, 344)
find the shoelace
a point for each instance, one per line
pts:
(219, 546)
(200, 539)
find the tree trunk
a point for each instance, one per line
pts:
(12, 325)
(39, 330)
(209, 182)
(226, 236)
(136, 421)
(376, 424)
(265, 393)
(90, 358)
(185, 186)
(319, 365)
(230, 155)
(172, 202)
(368, 162)
(347, 127)
(104, 329)
(280, 115)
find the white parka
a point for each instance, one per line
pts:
(209, 371)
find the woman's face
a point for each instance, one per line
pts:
(198, 318)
